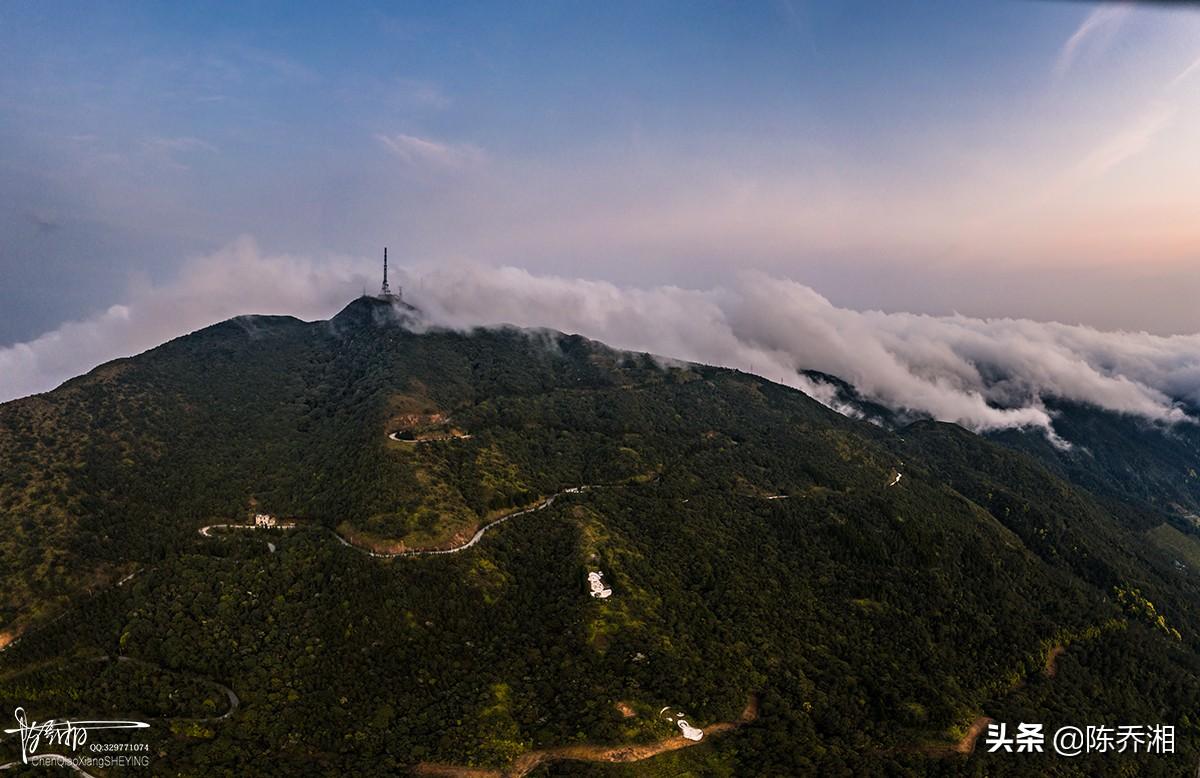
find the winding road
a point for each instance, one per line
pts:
(64, 761)
(234, 701)
(479, 533)
(207, 531)
(438, 439)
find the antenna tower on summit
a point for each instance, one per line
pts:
(385, 291)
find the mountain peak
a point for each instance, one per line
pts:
(377, 311)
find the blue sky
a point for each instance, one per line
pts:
(923, 156)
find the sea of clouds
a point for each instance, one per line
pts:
(985, 374)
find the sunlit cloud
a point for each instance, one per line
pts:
(902, 197)
(983, 373)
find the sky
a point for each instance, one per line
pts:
(990, 160)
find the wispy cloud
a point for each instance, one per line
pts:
(167, 150)
(1095, 32)
(421, 94)
(281, 66)
(184, 143)
(415, 150)
(1130, 141)
(1183, 74)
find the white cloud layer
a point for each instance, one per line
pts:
(983, 373)
(238, 279)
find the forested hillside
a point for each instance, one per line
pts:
(866, 593)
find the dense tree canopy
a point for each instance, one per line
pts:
(757, 544)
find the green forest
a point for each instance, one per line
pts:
(760, 548)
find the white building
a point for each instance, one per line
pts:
(264, 520)
(689, 732)
(596, 582)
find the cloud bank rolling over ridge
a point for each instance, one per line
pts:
(985, 374)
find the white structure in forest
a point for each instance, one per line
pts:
(596, 582)
(689, 732)
(264, 520)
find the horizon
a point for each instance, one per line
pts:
(1019, 171)
(985, 374)
(920, 157)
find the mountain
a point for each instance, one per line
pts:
(820, 594)
(1154, 465)
(1128, 462)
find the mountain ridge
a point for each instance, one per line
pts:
(757, 543)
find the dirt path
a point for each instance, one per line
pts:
(525, 763)
(977, 728)
(965, 745)
(1052, 659)
(455, 771)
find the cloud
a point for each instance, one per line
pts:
(282, 67)
(986, 374)
(983, 373)
(1096, 31)
(1130, 141)
(425, 151)
(180, 144)
(1183, 74)
(420, 94)
(166, 150)
(238, 279)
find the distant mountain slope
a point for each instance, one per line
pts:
(1123, 457)
(874, 592)
(1117, 456)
